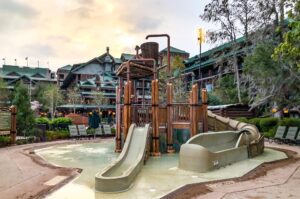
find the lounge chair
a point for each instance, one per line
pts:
(98, 132)
(107, 129)
(297, 140)
(82, 131)
(291, 134)
(279, 136)
(73, 131)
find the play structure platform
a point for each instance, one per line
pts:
(119, 175)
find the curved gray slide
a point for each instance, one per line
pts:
(119, 175)
(208, 151)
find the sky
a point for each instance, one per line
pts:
(60, 32)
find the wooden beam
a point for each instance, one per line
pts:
(118, 146)
(204, 109)
(170, 148)
(13, 129)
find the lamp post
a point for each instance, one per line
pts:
(201, 39)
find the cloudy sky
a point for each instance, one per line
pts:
(65, 32)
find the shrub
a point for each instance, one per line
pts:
(268, 123)
(113, 131)
(42, 120)
(21, 141)
(242, 119)
(270, 133)
(213, 100)
(34, 132)
(90, 131)
(55, 135)
(5, 141)
(61, 123)
(30, 139)
(290, 122)
(256, 122)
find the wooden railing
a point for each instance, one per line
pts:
(181, 112)
(141, 114)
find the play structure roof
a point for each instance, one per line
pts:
(138, 69)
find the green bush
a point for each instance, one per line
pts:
(61, 123)
(270, 133)
(242, 119)
(34, 132)
(55, 135)
(90, 131)
(290, 122)
(31, 139)
(5, 141)
(256, 122)
(266, 124)
(113, 131)
(21, 141)
(42, 120)
(213, 100)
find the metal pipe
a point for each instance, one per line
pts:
(168, 47)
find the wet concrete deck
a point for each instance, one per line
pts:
(278, 183)
(20, 177)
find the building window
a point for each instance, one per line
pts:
(61, 76)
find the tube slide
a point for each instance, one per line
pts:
(119, 175)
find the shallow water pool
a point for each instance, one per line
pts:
(159, 176)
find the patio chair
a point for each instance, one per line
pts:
(82, 131)
(73, 131)
(297, 139)
(107, 129)
(98, 132)
(291, 134)
(279, 136)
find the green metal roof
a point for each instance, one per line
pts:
(214, 60)
(67, 67)
(118, 61)
(20, 71)
(127, 56)
(213, 50)
(87, 106)
(174, 50)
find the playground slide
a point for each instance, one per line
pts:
(207, 151)
(119, 175)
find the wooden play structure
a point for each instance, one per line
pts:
(141, 125)
(163, 118)
(8, 124)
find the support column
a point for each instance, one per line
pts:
(155, 123)
(118, 148)
(170, 148)
(127, 111)
(204, 109)
(13, 127)
(193, 110)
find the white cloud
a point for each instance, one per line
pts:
(71, 31)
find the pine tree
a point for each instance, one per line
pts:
(25, 118)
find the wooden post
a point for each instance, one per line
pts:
(204, 105)
(193, 110)
(170, 148)
(127, 111)
(13, 129)
(155, 124)
(118, 120)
